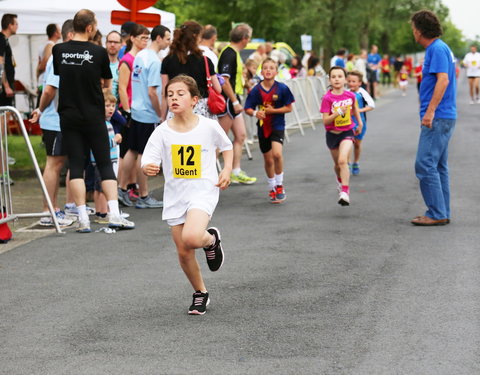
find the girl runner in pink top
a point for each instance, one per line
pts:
(338, 107)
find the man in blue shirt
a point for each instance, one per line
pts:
(146, 114)
(52, 136)
(338, 59)
(438, 114)
(373, 61)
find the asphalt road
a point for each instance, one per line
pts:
(308, 287)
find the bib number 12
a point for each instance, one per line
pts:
(186, 160)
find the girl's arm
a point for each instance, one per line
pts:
(152, 156)
(123, 77)
(329, 118)
(224, 176)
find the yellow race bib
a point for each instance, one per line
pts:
(474, 63)
(187, 161)
(344, 120)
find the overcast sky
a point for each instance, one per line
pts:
(465, 14)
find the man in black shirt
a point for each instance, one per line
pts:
(7, 64)
(7, 75)
(81, 67)
(231, 67)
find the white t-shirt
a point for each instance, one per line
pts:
(368, 99)
(189, 165)
(211, 55)
(361, 66)
(41, 50)
(472, 62)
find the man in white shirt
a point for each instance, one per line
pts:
(361, 66)
(207, 44)
(44, 53)
(472, 63)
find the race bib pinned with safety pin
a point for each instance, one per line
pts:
(343, 120)
(187, 161)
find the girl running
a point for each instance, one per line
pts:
(186, 148)
(403, 80)
(338, 106)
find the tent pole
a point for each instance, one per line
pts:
(32, 75)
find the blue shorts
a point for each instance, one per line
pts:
(362, 134)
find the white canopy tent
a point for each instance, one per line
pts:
(34, 16)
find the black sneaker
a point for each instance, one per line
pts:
(199, 303)
(214, 253)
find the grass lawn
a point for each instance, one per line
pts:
(17, 148)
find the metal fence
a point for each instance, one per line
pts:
(6, 206)
(308, 93)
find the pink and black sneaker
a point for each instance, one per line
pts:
(214, 253)
(199, 303)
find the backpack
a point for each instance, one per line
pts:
(5, 232)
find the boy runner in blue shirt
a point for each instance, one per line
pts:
(273, 99)
(365, 104)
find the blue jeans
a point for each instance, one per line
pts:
(431, 167)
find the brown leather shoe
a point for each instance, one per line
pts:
(426, 221)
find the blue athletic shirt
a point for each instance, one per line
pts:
(439, 59)
(114, 70)
(121, 53)
(278, 96)
(374, 58)
(340, 62)
(145, 74)
(112, 144)
(50, 120)
(363, 99)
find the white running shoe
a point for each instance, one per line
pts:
(343, 199)
(62, 220)
(118, 222)
(339, 187)
(83, 227)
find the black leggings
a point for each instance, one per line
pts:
(78, 143)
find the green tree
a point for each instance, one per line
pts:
(332, 23)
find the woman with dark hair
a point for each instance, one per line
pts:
(297, 70)
(138, 40)
(185, 57)
(313, 61)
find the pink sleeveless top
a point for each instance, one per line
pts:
(128, 59)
